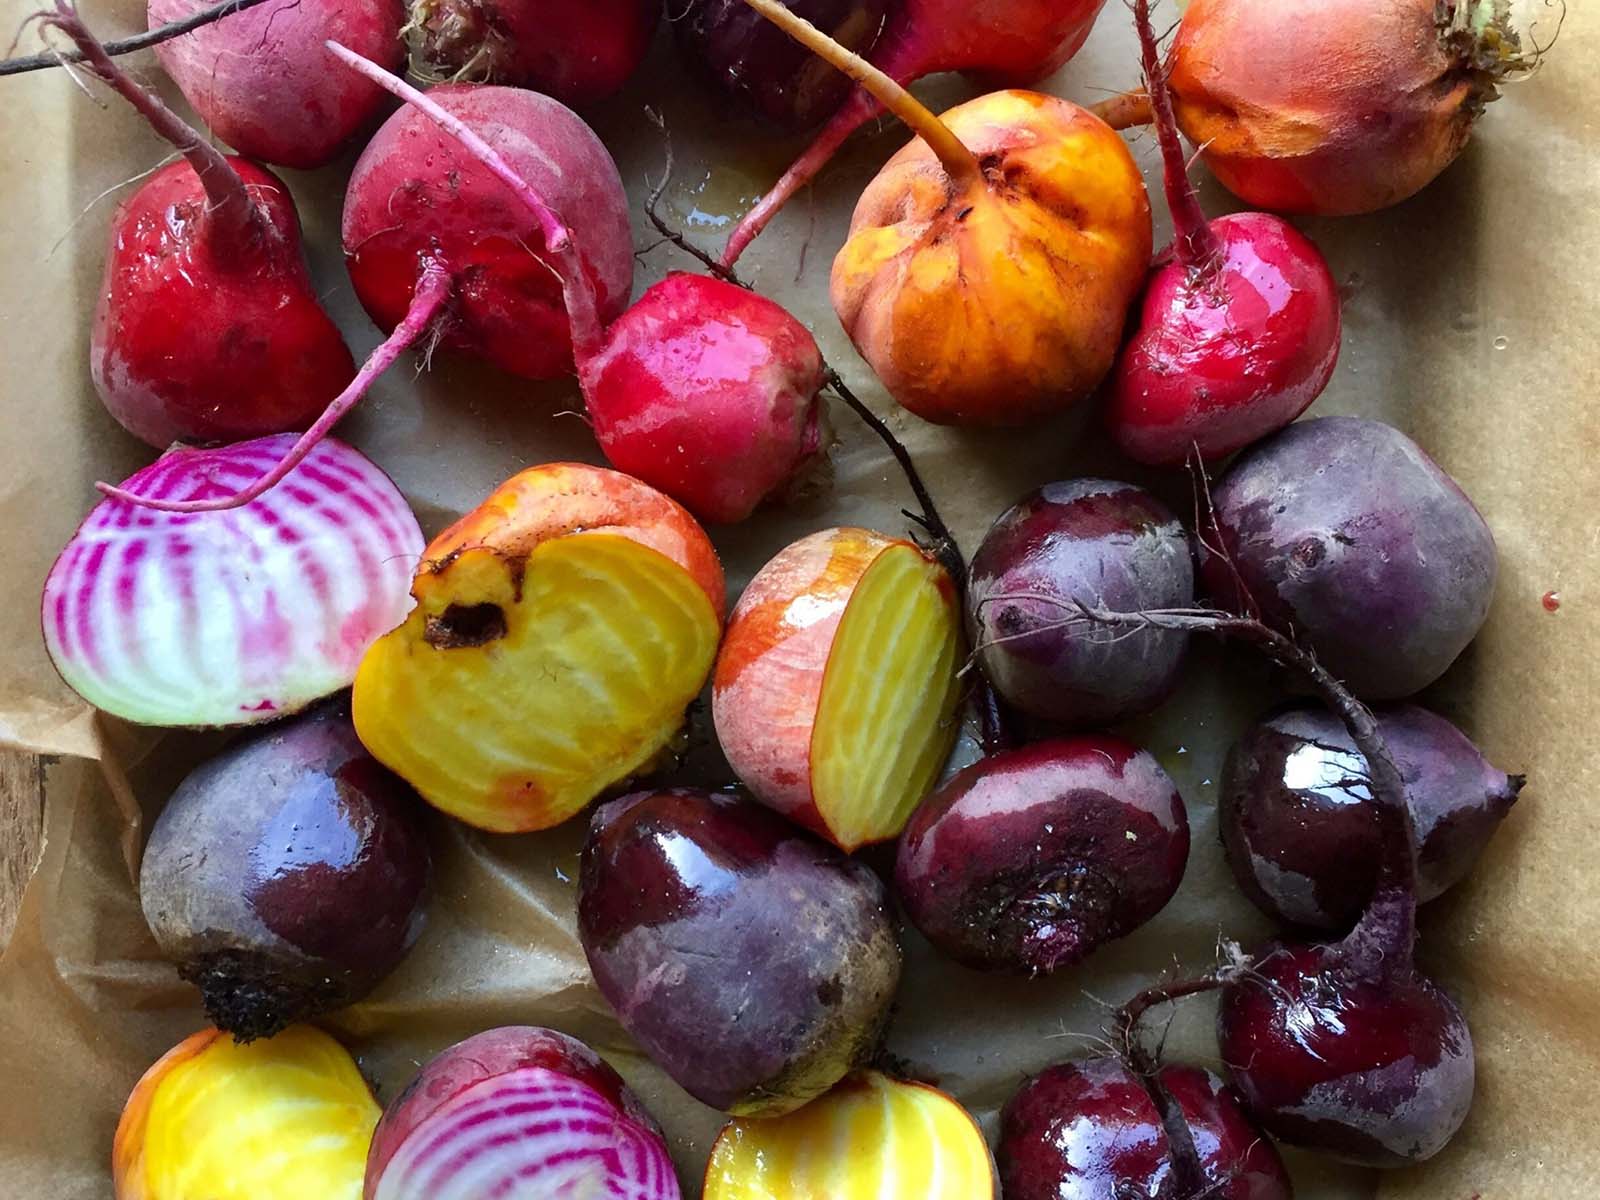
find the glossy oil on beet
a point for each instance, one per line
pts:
(287, 876)
(752, 962)
(1030, 859)
(1302, 832)
(1109, 545)
(1089, 1131)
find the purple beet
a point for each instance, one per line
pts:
(1301, 829)
(1344, 531)
(1089, 1131)
(1108, 544)
(753, 61)
(287, 876)
(1030, 859)
(754, 963)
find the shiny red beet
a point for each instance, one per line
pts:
(1089, 1131)
(1303, 833)
(1030, 859)
(207, 327)
(1239, 329)
(287, 876)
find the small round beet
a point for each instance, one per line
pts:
(1030, 859)
(1345, 531)
(1373, 1068)
(1089, 1131)
(1110, 545)
(287, 876)
(1302, 831)
(754, 963)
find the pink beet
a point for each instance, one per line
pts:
(260, 78)
(1007, 42)
(1239, 330)
(207, 327)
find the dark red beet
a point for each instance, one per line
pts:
(1089, 1131)
(754, 963)
(287, 876)
(1302, 832)
(1373, 1067)
(1239, 330)
(1030, 859)
(1107, 544)
(753, 61)
(1345, 531)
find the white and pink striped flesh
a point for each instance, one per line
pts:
(238, 616)
(529, 1134)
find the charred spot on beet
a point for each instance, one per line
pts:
(464, 625)
(254, 995)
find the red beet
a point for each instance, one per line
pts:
(1031, 859)
(207, 327)
(1239, 330)
(1302, 831)
(259, 78)
(578, 51)
(1013, 42)
(1089, 1131)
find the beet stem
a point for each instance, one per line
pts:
(1197, 246)
(228, 200)
(127, 45)
(576, 287)
(432, 294)
(960, 163)
(1124, 111)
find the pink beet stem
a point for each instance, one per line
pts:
(1197, 246)
(230, 202)
(433, 292)
(576, 287)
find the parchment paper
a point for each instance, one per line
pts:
(1470, 323)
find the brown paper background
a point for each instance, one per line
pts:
(1470, 323)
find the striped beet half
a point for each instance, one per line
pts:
(528, 1134)
(232, 617)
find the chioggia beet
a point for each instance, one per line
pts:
(868, 1138)
(1344, 530)
(287, 876)
(1302, 832)
(212, 1119)
(1030, 859)
(561, 629)
(1097, 541)
(752, 962)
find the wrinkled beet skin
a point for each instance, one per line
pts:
(1108, 544)
(1301, 831)
(483, 1056)
(287, 876)
(1030, 859)
(199, 338)
(1220, 361)
(752, 962)
(1344, 531)
(1084, 1130)
(1376, 1072)
(709, 393)
(416, 192)
(754, 61)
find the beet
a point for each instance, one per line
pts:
(287, 876)
(1302, 831)
(754, 963)
(1343, 530)
(1105, 543)
(1088, 1131)
(1030, 859)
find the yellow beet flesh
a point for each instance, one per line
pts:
(282, 1118)
(869, 1138)
(588, 650)
(886, 716)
